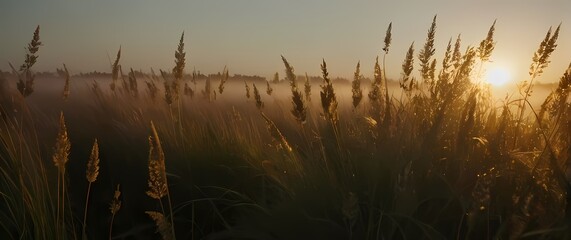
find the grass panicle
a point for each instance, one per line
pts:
(93, 164)
(269, 88)
(66, 90)
(60, 159)
(407, 82)
(247, 89)
(157, 181)
(25, 75)
(163, 226)
(426, 54)
(356, 86)
(299, 110)
(276, 134)
(133, 89)
(307, 88)
(388, 38)
(114, 208)
(223, 80)
(487, 45)
(115, 71)
(258, 98)
(63, 146)
(91, 174)
(456, 54)
(179, 55)
(328, 98)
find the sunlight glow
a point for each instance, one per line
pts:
(498, 76)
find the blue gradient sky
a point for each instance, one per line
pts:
(250, 35)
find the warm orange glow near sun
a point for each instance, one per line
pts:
(498, 76)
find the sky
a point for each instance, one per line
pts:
(249, 36)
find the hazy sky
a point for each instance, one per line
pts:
(250, 35)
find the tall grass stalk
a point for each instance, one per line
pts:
(60, 158)
(115, 71)
(114, 207)
(158, 185)
(66, 90)
(91, 174)
(357, 92)
(299, 110)
(25, 75)
(540, 61)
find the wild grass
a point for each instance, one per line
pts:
(438, 161)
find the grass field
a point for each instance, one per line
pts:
(435, 156)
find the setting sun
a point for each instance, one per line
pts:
(498, 76)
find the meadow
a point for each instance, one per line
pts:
(173, 154)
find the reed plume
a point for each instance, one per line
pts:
(445, 73)
(388, 38)
(179, 55)
(247, 89)
(426, 54)
(307, 88)
(269, 88)
(133, 84)
(60, 158)
(114, 207)
(328, 99)
(375, 92)
(258, 98)
(407, 83)
(115, 71)
(66, 90)
(26, 77)
(561, 94)
(163, 226)
(91, 174)
(356, 86)
(62, 147)
(276, 134)
(540, 61)
(456, 54)
(223, 80)
(157, 182)
(487, 45)
(93, 164)
(541, 56)
(299, 110)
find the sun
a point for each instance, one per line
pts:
(498, 76)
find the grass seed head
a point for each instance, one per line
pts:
(356, 86)
(157, 181)
(63, 146)
(163, 225)
(116, 202)
(93, 164)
